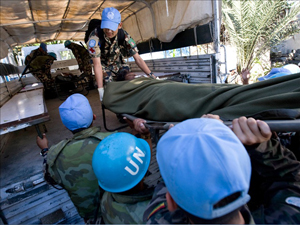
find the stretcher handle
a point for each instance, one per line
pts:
(279, 125)
(275, 125)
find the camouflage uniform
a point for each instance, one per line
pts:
(70, 165)
(113, 57)
(83, 59)
(274, 190)
(33, 54)
(125, 209)
(40, 67)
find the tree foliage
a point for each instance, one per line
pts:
(255, 26)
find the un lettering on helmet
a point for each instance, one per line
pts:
(137, 156)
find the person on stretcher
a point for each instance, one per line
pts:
(125, 74)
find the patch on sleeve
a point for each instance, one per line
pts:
(93, 47)
(92, 43)
(131, 42)
(295, 201)
(156, 209)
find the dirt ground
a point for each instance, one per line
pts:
(20, 158)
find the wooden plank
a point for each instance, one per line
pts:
(61, 202)
(64, 63)
(31, 202)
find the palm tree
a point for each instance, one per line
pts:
(255, 26)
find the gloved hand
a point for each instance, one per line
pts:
(101, 93)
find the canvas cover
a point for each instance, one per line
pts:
(171, 101)
(32, 21)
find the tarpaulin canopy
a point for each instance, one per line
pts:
(34, 21)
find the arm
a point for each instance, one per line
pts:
(141, 64)
(99, 76)
(98, 71)
(43, 144)
(275, 176)
(138, 127)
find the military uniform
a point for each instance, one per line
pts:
(125, 209)
(274, 190)
(40, 67)
(113, 57)
(70, 165)
(83, 59)
(33, 54)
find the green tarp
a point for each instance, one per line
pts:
(160, 100)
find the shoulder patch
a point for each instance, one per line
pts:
(131, 42)
(92, 43)
(295, 201)
(156, 209)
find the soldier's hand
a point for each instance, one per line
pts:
(101, 93)
(211, 116)
(139, 126)
(250, 131)
(42, 142)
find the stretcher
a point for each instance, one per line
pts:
(275, 125)
(276, 101)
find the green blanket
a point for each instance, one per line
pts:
(160, 100)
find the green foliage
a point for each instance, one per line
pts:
(255, 26)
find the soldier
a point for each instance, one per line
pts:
(207, 171)
(69, 163)
(40, 67)
(42, 50)
(109, 46)
(83, 59)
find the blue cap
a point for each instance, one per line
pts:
(282, 71)
(76, 112)
(202, 161)
(111, 18)
(43, 46)
(52, 54)
(67, 43)
(121, 161)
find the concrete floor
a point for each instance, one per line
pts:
(20, 158)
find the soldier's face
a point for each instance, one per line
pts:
(112, 33)
(130, 76)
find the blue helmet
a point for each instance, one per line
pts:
(67, 43)
(52, 54)
(121, 161)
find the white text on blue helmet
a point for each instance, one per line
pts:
(136, 155)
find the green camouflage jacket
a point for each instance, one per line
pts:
(113, 57)
(125, 209)
(42, 62)
(82, 56)
(274, 190)
(70, 165)
(33, 54)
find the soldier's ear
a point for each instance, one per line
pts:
(120, 25)
(94, 117)
(172, 206)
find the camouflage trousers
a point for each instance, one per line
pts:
(46, 79)
(85, 67)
